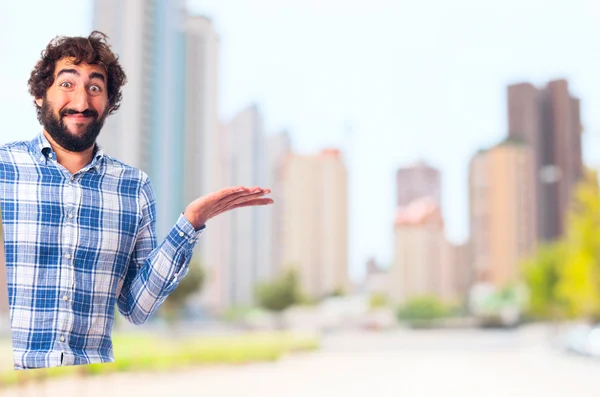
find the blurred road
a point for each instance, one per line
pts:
(447, 363)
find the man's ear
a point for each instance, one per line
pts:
(39, 101)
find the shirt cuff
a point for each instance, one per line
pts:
(181, 241)
(185, 230)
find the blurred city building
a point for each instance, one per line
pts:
(377, 280)
(148, 131)
(279, 147)
(457, 275)
(247, 255)
(418, 251)
(315, 221)
(417, 181)
(129, 24)
(548, 119)
(205, 168)
(502, 211)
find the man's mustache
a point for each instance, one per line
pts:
(85, 113)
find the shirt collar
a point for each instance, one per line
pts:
(41, 148)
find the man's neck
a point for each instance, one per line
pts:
(72, 161)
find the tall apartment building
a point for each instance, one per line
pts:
(278, 150)
(315, 221)
(418, 251)
(417, 181)
(148, 131)
(456, 274)
(129, 25)
(548, 119)
(502, 211)
(248, 230)
(205, 168)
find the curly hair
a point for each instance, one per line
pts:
(93, 50)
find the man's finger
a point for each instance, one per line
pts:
(245, 194)
(249, 203)
(217, 196)
(235, 191)
(243, 198)
(230, 191)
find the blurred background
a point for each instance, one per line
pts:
(436, 226)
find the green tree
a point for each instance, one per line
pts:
(541, 273)
(563, 277)
(579, 280)
(191, 283)
(280, 293)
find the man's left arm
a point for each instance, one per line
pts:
(154, 272)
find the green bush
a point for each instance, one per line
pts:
(422, 310)
(280, 293)
(378, 300)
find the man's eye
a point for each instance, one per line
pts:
(95, 88)
(65, 84)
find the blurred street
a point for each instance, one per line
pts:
(448, 363)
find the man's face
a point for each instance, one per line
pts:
(75, 106)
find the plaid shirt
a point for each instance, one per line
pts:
(76, 245)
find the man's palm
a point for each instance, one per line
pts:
(206, 207)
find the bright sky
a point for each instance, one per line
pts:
(414, 80)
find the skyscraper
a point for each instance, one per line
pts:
(129, 25)
(501, 211)
(315, 221)
(417, 181)
(548, 119)
(456, 273)
(205, 169)
(278, 150)
(418, 251)
(248, 254)
(202, 135)
(148, 131)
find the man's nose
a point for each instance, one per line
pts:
(80, 100)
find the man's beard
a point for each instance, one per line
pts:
(59, 131)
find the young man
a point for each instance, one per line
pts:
(79, 225)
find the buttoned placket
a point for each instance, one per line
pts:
(70, 235)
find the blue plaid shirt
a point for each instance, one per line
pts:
(76, 245)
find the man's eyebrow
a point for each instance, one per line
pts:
(96, 75)
(72, 71)
(93, 75)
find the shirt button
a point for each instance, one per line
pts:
(50, 155)
(181, 234)
(66, 298)
(70, 216)
(62, 338)
(68, 256)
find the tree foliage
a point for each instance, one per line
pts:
(422, 308)
(280, 293)
(579, 279)
(564, 277)
(541, 274)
